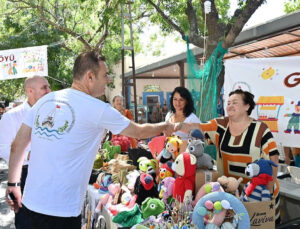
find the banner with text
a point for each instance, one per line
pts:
(275, 83)
(23, 62)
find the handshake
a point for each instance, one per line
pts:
(170, 128)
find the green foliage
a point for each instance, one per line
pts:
(64, 26)
(291, 6)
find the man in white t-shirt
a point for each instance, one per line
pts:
(65, 128)
(35, 88)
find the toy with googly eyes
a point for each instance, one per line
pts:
(217, 202)
(152, 207)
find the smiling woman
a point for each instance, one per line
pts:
(240, 140)
(182, 107)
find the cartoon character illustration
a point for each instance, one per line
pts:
(10, 70)
(267, 74)
(294, 121)
(14, 68)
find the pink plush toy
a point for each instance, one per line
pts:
(185, 168)
(107, 199)
(167, 188)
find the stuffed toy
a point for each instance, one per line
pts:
(185, 168)
(196, 134)
(152, 206)
(196, 147)
(230, 184)
(166, 170)
(122, 141)
(98, 163)
(129, 218)
(148, 166)
(217, 202)
(98, 180)
(131, 178)
(256, 189)
(171, 151)
(156, 145)
(110, 150)
(105, 182)
(115, 166)
(145, 186)
(135, 154)
(167, 185)
(127, 203)
(107, 199)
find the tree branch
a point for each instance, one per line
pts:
(192, 18)
(167, 19)
(240, 20)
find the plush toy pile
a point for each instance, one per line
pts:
(157, 188)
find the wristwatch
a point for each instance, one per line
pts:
(13, 184)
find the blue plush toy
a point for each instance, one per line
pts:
(256, 189)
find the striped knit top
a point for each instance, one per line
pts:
(260, 193)
(234, 152)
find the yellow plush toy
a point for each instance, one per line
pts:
(171, 151)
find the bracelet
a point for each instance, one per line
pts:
(13, 184)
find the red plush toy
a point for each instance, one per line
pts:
(122, 141)
(185, 168)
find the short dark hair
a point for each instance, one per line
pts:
(247, 97)
(86, 61)
(184, 93)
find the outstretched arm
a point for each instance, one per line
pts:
(147, 130)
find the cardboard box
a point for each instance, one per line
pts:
(204, 176)
(261, 214)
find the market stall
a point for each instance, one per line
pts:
(137, 188)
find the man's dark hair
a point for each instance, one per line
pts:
(184, 93)
(247, 97)
(86, 61)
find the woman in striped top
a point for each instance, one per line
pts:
(240, 140)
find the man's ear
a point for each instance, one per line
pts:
(89, 75)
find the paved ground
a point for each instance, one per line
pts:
(7, 217)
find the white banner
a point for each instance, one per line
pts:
(24, 62)
(275, 83)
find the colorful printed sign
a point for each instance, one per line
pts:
(24, 62)
(275, 83)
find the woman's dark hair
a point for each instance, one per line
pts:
(184, 93)
(247, 97)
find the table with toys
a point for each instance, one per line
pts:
(155, 186)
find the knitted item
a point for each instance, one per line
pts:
(185, 167)
(152, 206)
(147, 181)
(142, 192)
(261, 179)
(128, 218)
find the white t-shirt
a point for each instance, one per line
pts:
(192, 118)
(9, 126)
(67, 126)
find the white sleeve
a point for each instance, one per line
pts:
(168, 116)
(7, 135)
(113, 120)
(192, 119)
